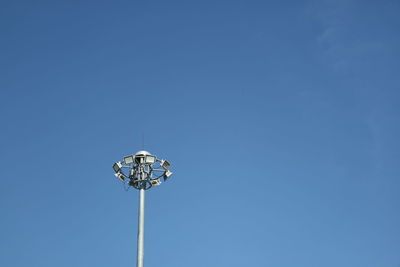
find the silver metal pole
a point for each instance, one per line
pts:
(140, 238)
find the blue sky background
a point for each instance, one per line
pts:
(281, 120)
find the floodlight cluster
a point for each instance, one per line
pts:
(142, 170)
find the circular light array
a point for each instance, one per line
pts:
(142, 170)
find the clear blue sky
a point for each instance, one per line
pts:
(281, 120)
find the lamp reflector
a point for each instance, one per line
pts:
(167, 174)
(155, 182)
(120, 176)
(128, 159)
(117, 166)
(150, 159)
(165, 164)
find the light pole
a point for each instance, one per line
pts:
(141, 171)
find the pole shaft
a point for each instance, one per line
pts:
(140, 238)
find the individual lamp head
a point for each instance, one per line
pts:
(167, 174)
(117, 166)
(120, 176)
(150, 159)
(128, 159)
(165, 164)
(156, 182)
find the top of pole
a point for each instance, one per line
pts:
(142, 152)
(142, 170)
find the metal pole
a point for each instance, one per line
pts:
(140, 238)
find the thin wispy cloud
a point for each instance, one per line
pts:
(347, 39)
(357, 39)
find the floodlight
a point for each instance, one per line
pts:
(167, 174)
(128, 159)
(155, 182)
(150, 159)
(117, 166)
(120, 176)
(165, 164)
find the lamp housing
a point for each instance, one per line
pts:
(117, 166)
(165, 164)
(167, 174)
(155, 182)
(150, 159)
(120, 176)
(128, 159)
